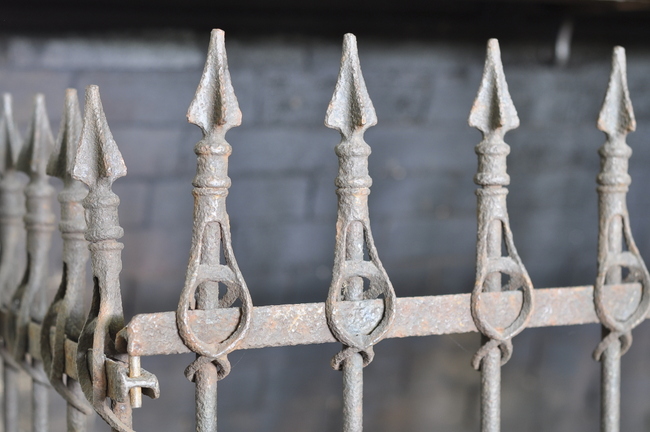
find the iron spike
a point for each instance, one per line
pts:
(10, 140)
(65, 148)
(617, 115)
(493, 108)
(350, 109)
(97, 157)
(215, 104)
(38, 143)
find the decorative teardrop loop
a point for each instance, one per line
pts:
(638, 272)
(378, 285)
(228, 275)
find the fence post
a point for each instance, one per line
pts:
(66, 313)
(616, 119)
(29, 301)
(494, 114)
(12, 234)
(215, 110)
(102, 373)
(351, 113)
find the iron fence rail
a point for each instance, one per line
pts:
(94, 364)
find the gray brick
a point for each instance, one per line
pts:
(296, 98)
(172, 204)
(400, 96)
(134, 201)
(552, 96)
(279, 150)
(159, 51)
(414, 238)
(434, 149)
(265, 53)
(159, 98)
(151, 152)
(25, 84)
(265, 200)
(264, 247)
(157, 256)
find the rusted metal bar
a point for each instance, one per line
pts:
(351, 113)
(616, 119)
(306, 324)
(28, 302)
(65, 315)
(12, 210)
(494, 114)
(215, 110)
(102, 373)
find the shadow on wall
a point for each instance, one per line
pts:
(282, 206)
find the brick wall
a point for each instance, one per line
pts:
(283, 206)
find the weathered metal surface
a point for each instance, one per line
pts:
(215, 110)
(617, 251)
(305, 324)
(12, 210)
(66, 313)
(104, 356)
(494, 114)
(351, 113)
(28, 302)
(98, 163)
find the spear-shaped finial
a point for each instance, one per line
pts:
(493, 108)
(10, 140)
(215, 104)
(38, 141)
(65, 148)
(98, 160)
(350, 109)
(617, 116)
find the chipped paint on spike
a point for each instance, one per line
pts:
(10, 140)
(98, 157)
(65, 148)
(350, 109)
(215, 104)
(493, 108)
(617, 116)
(38, 141)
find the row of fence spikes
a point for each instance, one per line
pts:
(98, 163)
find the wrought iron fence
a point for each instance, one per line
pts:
(92, 359)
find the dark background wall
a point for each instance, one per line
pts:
(422, 64)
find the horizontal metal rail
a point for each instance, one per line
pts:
(305, 324)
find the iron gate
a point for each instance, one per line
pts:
(92, 359)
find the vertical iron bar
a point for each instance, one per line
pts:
(76, 420)
(12, 233)
(494, 114)
(29, 300)
(353, 366)
(215, 110)
(351, 112)
(491, 364)
(610, 381)
(66, 312)
(616, 119)
(98, 163)
(207, 376)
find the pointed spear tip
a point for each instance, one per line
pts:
(10, 140)
(616, 116)
(215, 104)
(493, 108)
(62, 158)
(38, 142)
(97, 156)
(350, 108)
